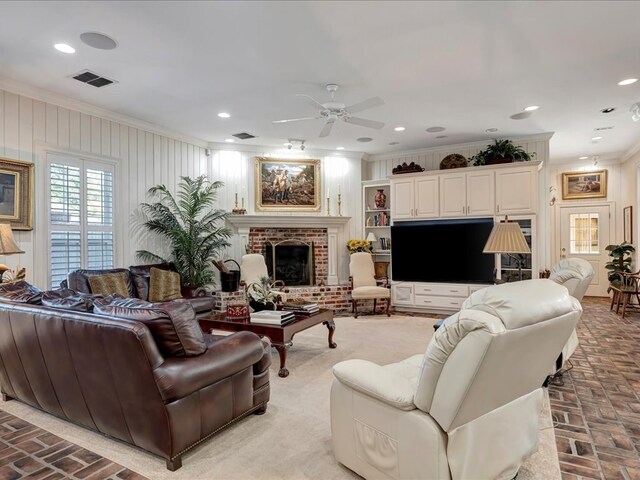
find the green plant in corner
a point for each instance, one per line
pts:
(194, 230)
(620, 262)
(501, 151)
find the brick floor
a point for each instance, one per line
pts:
(27, 451)
(597, 411)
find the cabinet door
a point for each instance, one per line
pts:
(402, 294)
(516, 190)
(426, 197)
(480, 193)
(453, 195)
(402, 193)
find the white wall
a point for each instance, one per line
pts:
(144, 159)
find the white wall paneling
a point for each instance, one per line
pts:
(145, 158)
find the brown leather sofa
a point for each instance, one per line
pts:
(137, 278)
(111, 374)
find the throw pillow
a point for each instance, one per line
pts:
(20, 292)
(173, 324)
(140, 275)
(164, 285)
(108, 284)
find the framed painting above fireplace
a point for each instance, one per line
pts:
(287, 185)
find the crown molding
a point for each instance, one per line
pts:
(447, 148)
(635, 149)
(36, 93)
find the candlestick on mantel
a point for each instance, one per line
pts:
(236, 201)
(328, 204)
(339, 204)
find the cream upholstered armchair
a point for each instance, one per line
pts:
(363, 282)
(575, 274)
(252, 268)
(466, 408)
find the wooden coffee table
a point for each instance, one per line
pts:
(281, 337)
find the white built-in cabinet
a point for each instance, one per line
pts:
(414, 197)
(467, 194)
(472, 191)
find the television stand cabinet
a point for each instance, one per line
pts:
(431, 297)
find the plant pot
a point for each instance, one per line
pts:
(191, 292)
(498, 160)
(259, 306)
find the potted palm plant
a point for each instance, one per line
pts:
(620, 262)
(501, 151)
(194, 230)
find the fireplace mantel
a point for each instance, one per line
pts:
(335, 226)
(291, 221)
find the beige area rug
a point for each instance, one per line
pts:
(293, 439)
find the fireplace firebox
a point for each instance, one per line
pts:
(290, 261)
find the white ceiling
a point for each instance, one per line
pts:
(466, 66)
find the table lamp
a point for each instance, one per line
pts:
(507, 237)
(371, 238)
(8, 245)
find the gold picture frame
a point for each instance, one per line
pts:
(287, 185)
(16, 194)
(576, 185)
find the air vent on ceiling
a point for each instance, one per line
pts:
(94, 79)
(244, 136)
(603, 128)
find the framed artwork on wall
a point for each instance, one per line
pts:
(287, 185)
(584, 185)
(627, 222)
(16, 194)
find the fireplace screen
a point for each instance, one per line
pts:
(290, 261)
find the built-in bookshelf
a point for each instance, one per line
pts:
(377, 221)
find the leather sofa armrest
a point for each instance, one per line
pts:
(374, 381)
(179, 377)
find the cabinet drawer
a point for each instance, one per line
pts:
(442, 290)
(448, 303)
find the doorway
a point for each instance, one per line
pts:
(585, 231)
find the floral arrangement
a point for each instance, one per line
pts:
(262, 292)
(10, 276)
(359, 246)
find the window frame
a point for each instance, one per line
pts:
(84, 163)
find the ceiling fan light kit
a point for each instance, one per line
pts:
(333, 111)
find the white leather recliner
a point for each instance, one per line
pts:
(575, 274)
(468, 407)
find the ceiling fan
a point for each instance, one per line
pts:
(332, 111)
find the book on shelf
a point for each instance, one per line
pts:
(381, 219)
(301, 307)
(385, 243)
(272, 317)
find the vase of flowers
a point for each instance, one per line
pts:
(359, 246)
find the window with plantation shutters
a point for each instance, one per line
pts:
(81, 216)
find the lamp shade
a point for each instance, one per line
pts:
(506, 237)
(371, 237)
(8, 245)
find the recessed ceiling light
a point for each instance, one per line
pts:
(582, 158)
(531, 108)
(441, 136)
(607, 110)
(628, 81)
(364, 139)
(595, 139)
(64, 48)
(229, 140)
(491, 130)
(394, 143)
(399, 129)
(435, 129)
(224, 115)
(339, 148)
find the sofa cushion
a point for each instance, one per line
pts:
(68, 300)
(78, 280)
(108, 284)
(20, 292)
(164, 285)
(140, 275)
(172, 324)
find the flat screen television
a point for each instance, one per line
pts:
(442, 251)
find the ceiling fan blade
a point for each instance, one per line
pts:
(326, 130)
(364, 105)
(363, 122)
(295, 119)
(311, 100)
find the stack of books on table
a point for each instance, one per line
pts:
(301, 307)
(272, 317)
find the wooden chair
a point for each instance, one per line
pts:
(364, 285)
(627, 287)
